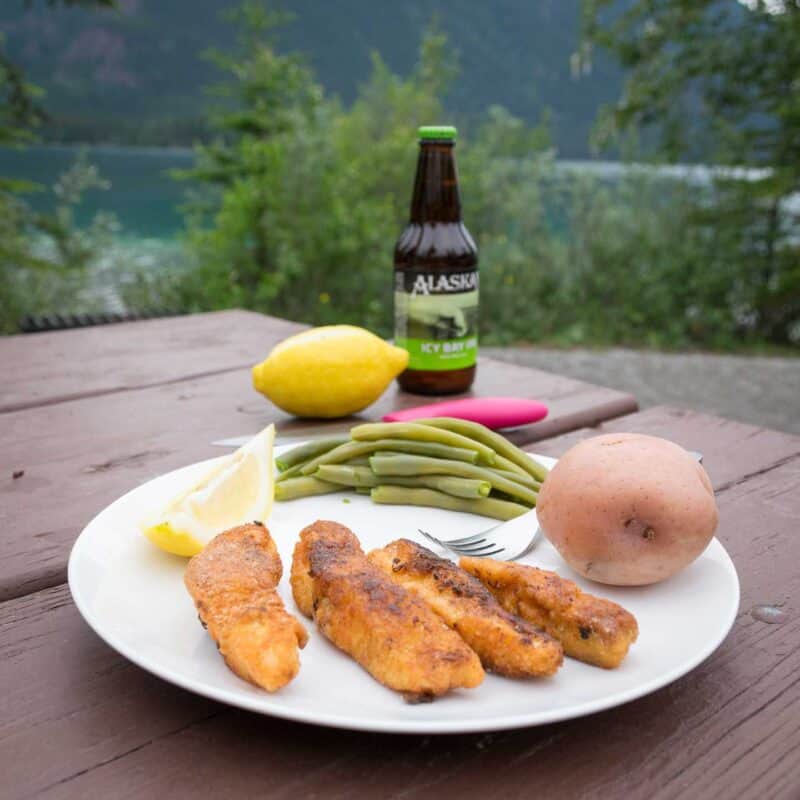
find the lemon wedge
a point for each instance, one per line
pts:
(238, 489)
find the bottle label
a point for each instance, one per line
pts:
(436, 318)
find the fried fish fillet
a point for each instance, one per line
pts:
(389, 631)
(504, 643)
(590, 628)
(232, 583)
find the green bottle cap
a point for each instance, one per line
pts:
(436, 132)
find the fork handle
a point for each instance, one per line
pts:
(493, 412)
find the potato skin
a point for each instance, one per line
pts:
(627, 509)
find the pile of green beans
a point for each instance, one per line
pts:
(440, 462)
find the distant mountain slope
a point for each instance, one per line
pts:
(135, 76)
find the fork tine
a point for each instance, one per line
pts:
(431, 538)
(479, 546)
(478, 537)
(469, 547)
(479, 550)
(456, 542)
(466, 544)
(478, 554)
(468, 539)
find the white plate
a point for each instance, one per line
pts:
(133, 596)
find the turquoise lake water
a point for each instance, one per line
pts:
(146, 199)
(142, 195)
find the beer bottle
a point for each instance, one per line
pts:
(436, 276)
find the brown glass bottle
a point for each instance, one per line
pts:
(436, 277)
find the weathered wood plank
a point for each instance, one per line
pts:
(44, 368)
(79, 456)
(80, 721)
(571, 403)
(48, 368)
(731, 450)
(69, 702)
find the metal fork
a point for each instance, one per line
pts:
(482, 545)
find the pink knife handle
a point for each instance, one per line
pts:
(493, 412)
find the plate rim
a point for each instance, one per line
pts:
(261, 704)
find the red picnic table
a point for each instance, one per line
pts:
(87, 415)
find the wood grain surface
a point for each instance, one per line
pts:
(44, 368)
(47, 368)
(87, 415)
(732, 451)
(78, 456)
(80, 721)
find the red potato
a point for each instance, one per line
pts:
(627, 509)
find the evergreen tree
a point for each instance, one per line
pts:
(720, 80)
(42, 256)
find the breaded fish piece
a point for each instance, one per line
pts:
(590, 628)
(504, 643)
(389, 631)
(232, 583)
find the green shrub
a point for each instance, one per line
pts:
(49, 263)
(302, 201)
(294, 208)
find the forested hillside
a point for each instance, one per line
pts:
(136, 76)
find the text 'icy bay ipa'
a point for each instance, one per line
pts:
(436, 276)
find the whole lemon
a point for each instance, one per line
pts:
(332, 371)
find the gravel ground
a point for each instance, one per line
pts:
(758, 390)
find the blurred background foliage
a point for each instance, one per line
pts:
(295, 199)
(45, 259)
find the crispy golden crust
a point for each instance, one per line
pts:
(590, 628)
(505, 644)
(386, 629)
(232, 583)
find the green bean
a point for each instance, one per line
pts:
(303, 487)
(292, 472)
(485, 506)
(422, 433)
(307, 451)
(346, 475)
(361, 476)
(469, 488)
(363, 490)
(295, 470)
(353, 449)
(525, 479)
(501, 495)
(363, 461)
(500, 444)
(500, 462)
(421, 465)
